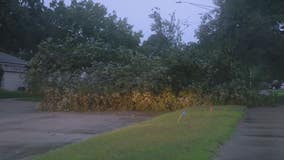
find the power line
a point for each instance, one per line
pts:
(197, 4)
(202, 6)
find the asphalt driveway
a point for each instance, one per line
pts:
(24, 132)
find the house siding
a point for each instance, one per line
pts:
(13, 72)
(12, 81)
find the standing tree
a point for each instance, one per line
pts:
(22, 25)
(247, 32)
(167, 35)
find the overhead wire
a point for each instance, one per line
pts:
(202, 6)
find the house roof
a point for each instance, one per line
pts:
(6, 58)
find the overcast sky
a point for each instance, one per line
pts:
(137, 12)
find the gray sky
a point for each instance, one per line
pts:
(137, 12)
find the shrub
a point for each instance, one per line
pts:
(237, 92)
(68, 100)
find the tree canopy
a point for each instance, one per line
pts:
(81, 46)
(247, 31)
(25, 24)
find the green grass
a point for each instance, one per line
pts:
(280, 97)
(198, 136)
(19, 95)
(280, 92)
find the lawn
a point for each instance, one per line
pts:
(280, 97)
(280, 92)
(197, 136)
(19, 95)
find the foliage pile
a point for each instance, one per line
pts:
(146, 101)
(87, 53)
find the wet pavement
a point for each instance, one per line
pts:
(259, 137)
(24, 132)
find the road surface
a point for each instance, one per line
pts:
(259, 137)
(24, 132)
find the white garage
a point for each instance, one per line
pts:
(12, 71)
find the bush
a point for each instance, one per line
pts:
(237, 92)
(67, 100)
